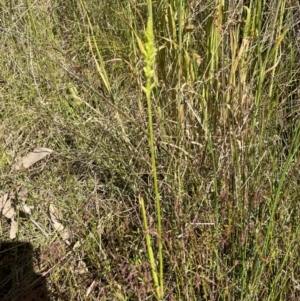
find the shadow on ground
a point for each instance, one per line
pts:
(18, 281)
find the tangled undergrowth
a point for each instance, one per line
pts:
(174, 134)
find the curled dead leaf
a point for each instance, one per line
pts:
(6, 208)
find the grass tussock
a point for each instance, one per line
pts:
(175, 130)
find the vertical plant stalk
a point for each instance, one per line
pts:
(150, 53)
(150, 249)
(295, 146)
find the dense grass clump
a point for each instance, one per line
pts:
(175, 130)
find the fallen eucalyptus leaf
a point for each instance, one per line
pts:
(55, 217)
(21, 197)
(13, 229)
(31, 158)
(25, 208)
(8, 211)
(5, 206)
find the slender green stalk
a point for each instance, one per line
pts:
(150, 250)
(292, 153)
(149, 54)
(271, 225)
